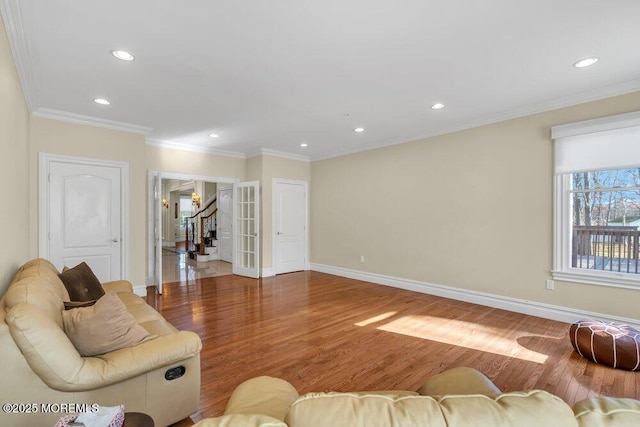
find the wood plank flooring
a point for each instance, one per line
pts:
(322, 332)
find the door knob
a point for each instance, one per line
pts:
(114, 240)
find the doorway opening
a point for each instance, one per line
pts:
(190, 229)
(185, 227)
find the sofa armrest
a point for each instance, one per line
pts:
(607, 411)
(129, 362)
(53, 358)
(118, 286)
(262, 395)
(460, 380)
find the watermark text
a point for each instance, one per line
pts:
(57, 408)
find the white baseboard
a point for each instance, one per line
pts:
(140, 291)
(267, 272)
(532, 308)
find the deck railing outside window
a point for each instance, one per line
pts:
(606, 248)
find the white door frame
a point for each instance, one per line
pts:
(274, 204)
(45, 160)
(151, 244)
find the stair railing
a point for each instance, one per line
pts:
(190, 221)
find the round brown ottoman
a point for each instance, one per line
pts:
(611, 344)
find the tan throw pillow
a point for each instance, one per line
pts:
(104, 327)
(81, 283)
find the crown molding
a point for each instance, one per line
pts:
(195, 149)
(558, 103)
(528, 110)
(281, 154)
(12, 17)
(66, 116)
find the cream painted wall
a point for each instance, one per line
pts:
(14, 146)
(57, 137)
(186, 162)
(471, 209)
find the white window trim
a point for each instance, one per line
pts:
(562, 210)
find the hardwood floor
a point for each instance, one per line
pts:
(322, 332)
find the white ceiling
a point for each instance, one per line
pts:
(271, 74)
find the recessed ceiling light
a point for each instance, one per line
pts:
(213, 135)
(102, 101)
(437, 106)
(358, 130)
(586, 62)
(122, 54)
(304, 144)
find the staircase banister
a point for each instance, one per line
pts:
(205, 208)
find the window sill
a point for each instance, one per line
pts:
(600, 278)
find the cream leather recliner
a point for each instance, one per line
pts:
(40, 366)
(460, 397)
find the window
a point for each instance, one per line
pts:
(606, 220)
(186, 209)
(597, 201)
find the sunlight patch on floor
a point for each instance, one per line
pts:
(376, 319)
(459, 333)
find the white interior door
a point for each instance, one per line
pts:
(83, 216)
(157, 228)
(246, 229)
(290, 226)
(225, 221)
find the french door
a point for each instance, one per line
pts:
(246, 229)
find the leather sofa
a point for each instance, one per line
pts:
(460, 397)
(44, 377)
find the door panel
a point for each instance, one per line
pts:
(290, 218)
(225, 219)
(246, 229)
(100, 264)
(85, 218)
(157, 226)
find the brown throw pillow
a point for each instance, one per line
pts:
(68, 305)
(81, 283)
(104, 327)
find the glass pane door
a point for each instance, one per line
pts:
(246, 224)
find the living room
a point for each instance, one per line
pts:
(467, 214)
